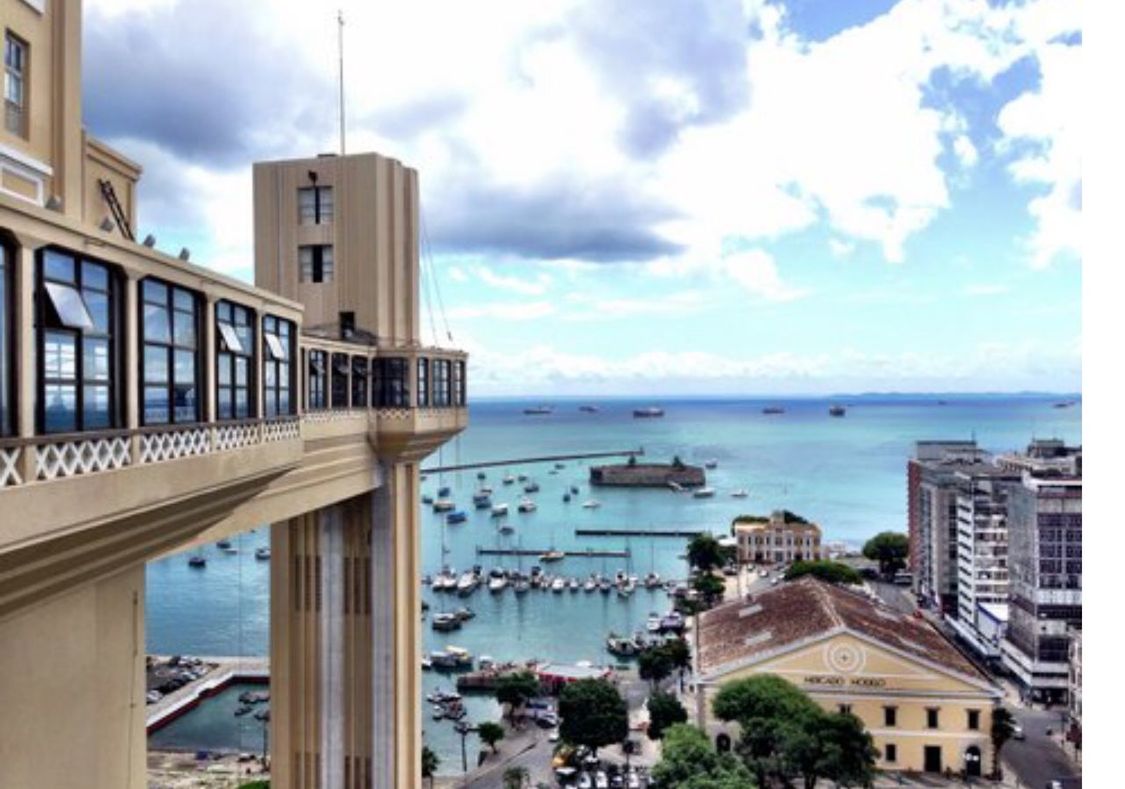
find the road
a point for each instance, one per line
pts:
(1038, 758)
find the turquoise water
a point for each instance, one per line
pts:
(213, 725)
(848, 475)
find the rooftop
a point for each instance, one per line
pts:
(801, 611)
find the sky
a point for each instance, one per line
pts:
(653, 196)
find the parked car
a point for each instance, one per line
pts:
(585, 781)
(632, 780)
(601, 780)
(553, 736)
(1017, 732)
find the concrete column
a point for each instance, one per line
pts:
(24, 356)
(382, 638)
(257, 376)
(208, 377)
(330, 536)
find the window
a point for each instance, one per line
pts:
(277, 367)
(234, 361)
(391, 387)
(170, 355)
(423, 382)
(314, 204)
(890, 716)
(77, 322)
(339, 380)
(347, 324)
(459, 383)
(974, 719)
(5, 350)
(441, 383)
(317, 373)
(316, 262)
(15, 85)
(890, 752)
(932, 717)
(359, 382)
(845, 709)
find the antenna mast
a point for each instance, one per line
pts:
(340, 49)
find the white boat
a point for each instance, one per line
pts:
(527, 505)
(499, 510)
(445, 581)
(551, 556)
(558, 585)
(703, 493)
(574, 585)
(262, 553)
(521, 585)
(653, 623)
(741, 493)
(444, 622)
(712, 463)
(444, 505)
(591, 584)
(508, 480)
(592, 504)
(467, 583)
(497, 583)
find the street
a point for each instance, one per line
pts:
(1038, 758)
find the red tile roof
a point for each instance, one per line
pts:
(806, 609)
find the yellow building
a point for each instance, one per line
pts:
(781, 538)
(926, 707)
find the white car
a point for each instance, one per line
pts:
(585, 782)
(1017, 732)
(553, 736)
(601, 780)
(633, 781)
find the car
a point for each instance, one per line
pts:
(1054, 785)
(617, 781)
(601, 780)
(585, 781)
(632, 780)
(1017, 732)
(763, 573)
(153, 696)
(553, 736)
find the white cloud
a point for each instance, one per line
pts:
(985, 289)
(536, 286)
(503, 311)
(756, 271)
(666, 306)
(840, 248)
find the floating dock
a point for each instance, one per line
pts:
(586, 553)
(640, 532)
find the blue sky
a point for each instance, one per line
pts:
(626, 196)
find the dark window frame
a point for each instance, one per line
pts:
(170, 347)
(423, 382)
(316, 370)
(321, 215)
(972, 720)
(890, 753)
(18, 110)
(360, 388)
(890, 717)
(7, 352)
(441, 383)
(933, 717)
(318, 273)
(341, 367)
(226, 359)
(280, 371)
(44, 309)
(393, 382)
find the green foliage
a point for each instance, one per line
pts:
(1003, 729)
(430, 762)
(515, 777)
(833, 572)
(690, 761)
(705, 553)
(792, 517)
(515, 689)
(710, 587)
(664, 710)
(593, 714)
(786, 734)
(677, 463)
(654, 664)
(490, 733)
(678, 652)
(890, 549)
(255, 785)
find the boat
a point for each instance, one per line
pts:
(507, 528)
(539, 410)
(627, 588)
(531, 487)
(673, 621)
(652, 581)
(741, 493)
(588, 409)
(427, 499)
(508, 480)
(653, 623)
(451, 658)
(712, 463)
(521, 477)
(521, 585)
(457, 516)
(837, 410)
(591, 584)
(464, 614)
(703, 493)
(445, 581)
(773, 409)
(566, 497)
(574, 489)
(647, 413)
(444, 622)
(559, 584)
(197, 561)
(444, 492)
(467, 583)
(497, 581)
(551, 556)
(560, 465)
(481, 475)
(574, 585)
(592, 504)
(223, 545)
(444, 505)
(262, 715)
(427, 664)
(499, 510)
(527, 505)
(487, 489)
(482, 501)
(621, 646)
(605, 586)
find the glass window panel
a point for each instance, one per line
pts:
(283, 375)
(271, 407)
(242, 403)
(95, 361)
(154, 292)
(95, 276)
(241, 370)
(156, 324)
(183, 300)
(156, 364)
(184, 369)
(58, 266)
(183, 329)
(245, 338)
(95, 406)
(69, 306)
(277, 351)
(283, 401)
(326, 204)
(184, 402)
(59, 351)
(98, 305)
(222, 311)
(230, 339)
(306, 205)
(270, 376)
(224, 369)
(156, 404)
(60, 407)
(225, 400)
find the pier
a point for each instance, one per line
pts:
(590, 553)
(640, 532)
(540, 459)
(222, 672)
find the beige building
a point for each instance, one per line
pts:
(148, 404)
(926, 707)
(781, 538)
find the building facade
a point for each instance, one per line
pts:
(781, 538)
(1045, 568)
(1074, 687)
(926, 707)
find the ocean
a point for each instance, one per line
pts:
(846, 474)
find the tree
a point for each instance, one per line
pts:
(711, 588)
(1003, 728)
(632, 460)
(890, 549)
(678, 652)
(654, 664)
(430, 762)
(677, 463)
(664, 710)
(490, 733)
(515, 690)
(830, 745)
(690, 761)
(705, 553)
(593, 714)
(515, 777)
(833, 572)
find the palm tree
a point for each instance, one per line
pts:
(1003, 727)
(515, 777)
(430, 762)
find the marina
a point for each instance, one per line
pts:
(588, 553)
